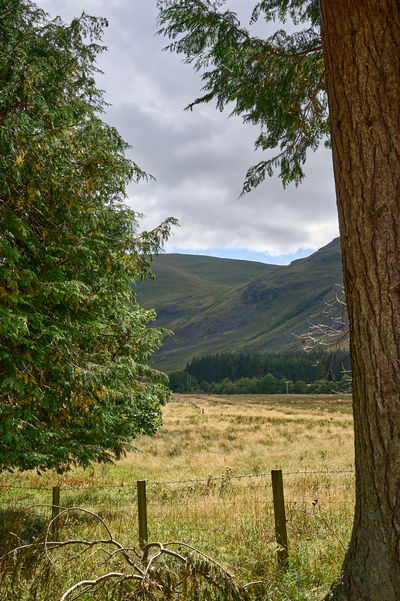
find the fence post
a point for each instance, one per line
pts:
(55, 510)
(280, 519)
(142, 512)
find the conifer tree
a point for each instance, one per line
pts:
(347, 53)
(74, 382)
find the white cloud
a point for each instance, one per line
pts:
(199, 158)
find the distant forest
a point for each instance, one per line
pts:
(289, 371)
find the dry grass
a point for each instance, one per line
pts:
(207, 434)
(207, 442)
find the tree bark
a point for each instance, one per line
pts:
(361, 41)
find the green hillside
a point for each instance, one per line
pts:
(227, 272)
(185, 285)
(224, 305)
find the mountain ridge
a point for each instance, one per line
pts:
(227, 305)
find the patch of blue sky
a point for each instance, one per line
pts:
(245, 254)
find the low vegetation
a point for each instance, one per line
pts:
(208, 485)
(254, 373)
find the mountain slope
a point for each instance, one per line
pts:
(219, 305)
(185, 285)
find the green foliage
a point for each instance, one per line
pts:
(273, 373)
(271, 385)
(277, 83)
(288, 365)
(182, 381)
(74, 387)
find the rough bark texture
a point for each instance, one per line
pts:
(361, 40)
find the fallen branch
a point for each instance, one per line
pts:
(158, 572)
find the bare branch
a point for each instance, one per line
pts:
(91, 583)
(160, 571)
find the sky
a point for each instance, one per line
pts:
(199, 158)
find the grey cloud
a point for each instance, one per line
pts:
(199, 158)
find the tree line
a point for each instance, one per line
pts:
(289, 371)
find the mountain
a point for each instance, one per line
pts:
(225, 305)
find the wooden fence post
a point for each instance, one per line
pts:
(55, 510)
(142, 512)
(280, 519)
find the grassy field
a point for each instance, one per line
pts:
(208, 483)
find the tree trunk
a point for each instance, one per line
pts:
(361, 40)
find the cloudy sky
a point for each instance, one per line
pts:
(199, 158)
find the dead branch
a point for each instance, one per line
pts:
(157, 572)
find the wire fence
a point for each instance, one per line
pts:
(213, 513)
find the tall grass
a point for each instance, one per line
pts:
(195, 494)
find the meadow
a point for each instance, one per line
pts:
(208, 483)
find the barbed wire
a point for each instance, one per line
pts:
(224, 477)
(320, 472)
